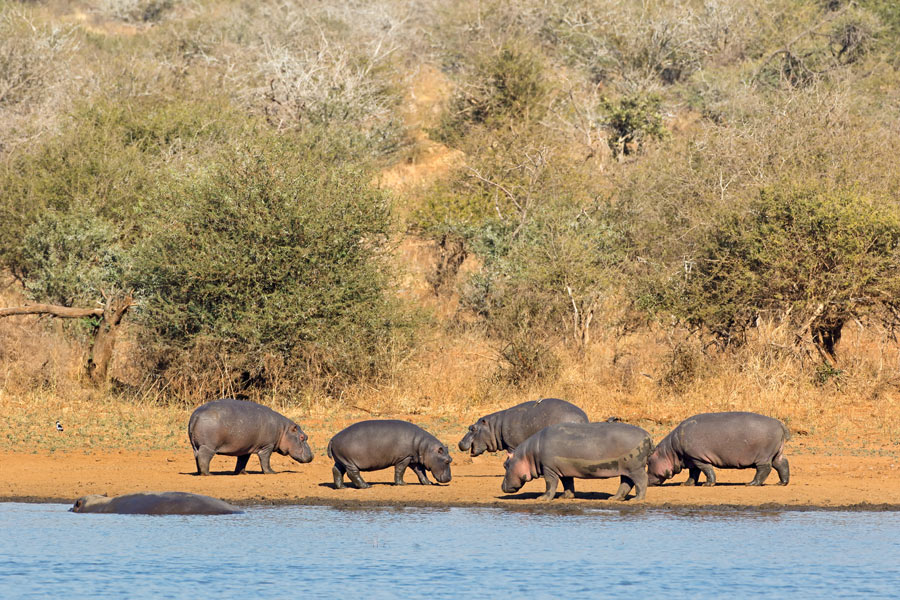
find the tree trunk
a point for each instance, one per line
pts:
(104, 340)
(105, 337)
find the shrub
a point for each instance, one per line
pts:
(272, 254)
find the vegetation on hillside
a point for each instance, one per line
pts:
(719, 178)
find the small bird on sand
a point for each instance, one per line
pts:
(59, 427)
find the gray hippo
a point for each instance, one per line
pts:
(154, 503)
(506, 429)
(727, 440)
(584, 450)
(241, 428)
(374, 445)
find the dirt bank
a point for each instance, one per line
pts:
(816, 481)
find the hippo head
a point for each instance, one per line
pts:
(518, 472)
(293, 443)
(477, 438)
(660, 467)
(86, 502)
(437, 460)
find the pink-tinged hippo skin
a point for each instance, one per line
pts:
(241, 428)
(506, 429)
(379, 444)
(726, 440)
(583, 450)
(154, 503)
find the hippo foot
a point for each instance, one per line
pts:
(547, 497)
(363, 486)
(755, 483)
(689, 483)
(709, 483)
(568, 494)
(618, 498)
(782, 483)
(401, 482)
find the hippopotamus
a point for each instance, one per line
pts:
(374, 445)
(506, 429)
(584, 450)
(241, 428)
(727, 440)
(154, 503)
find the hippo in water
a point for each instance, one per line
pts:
(241, 428)
(727, 440)
(154, 503)
(374, 445)
(506, 429)
(584, 450)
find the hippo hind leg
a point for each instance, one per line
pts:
(781, 467)
(568, 487)
(707, 470)
(202, 456)
(640, 480)
(240, 467)
(762, 471)
(357, 479)
(338, 471)
(625, 485)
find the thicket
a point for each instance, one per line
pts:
(689, 166)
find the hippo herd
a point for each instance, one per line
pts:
(548, 438)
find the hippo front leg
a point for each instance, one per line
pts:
(399, 470)
(625, 486)
(264, 455)
(693, 476)
(240, 467)
(419, 470)
(762, 471)
(708, 472)
(552, 480)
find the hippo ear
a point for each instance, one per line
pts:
(440, 450)
(482, 422)
(294, 429)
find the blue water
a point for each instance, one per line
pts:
(302, 551)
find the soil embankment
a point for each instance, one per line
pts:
(816, 481)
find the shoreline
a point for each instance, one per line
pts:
(830, 482)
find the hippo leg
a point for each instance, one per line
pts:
(693, 476)
(568, 487)
(624, 487)
(708, 471)
(552, 481)
(202, 456)
(338, 471)
(762, 471)
(399, 469)
(264, 455)
(240, 467)
(357, 479)
(781, 467)
(640, 480)
(419, 470)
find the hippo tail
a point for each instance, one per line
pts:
(329, 450)
(787, 432)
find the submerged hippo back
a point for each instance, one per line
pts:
(155, 503)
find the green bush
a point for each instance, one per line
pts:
(796, 252)
(632, 120)
(272, 254)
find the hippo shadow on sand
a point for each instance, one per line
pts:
(330, 485)
(578, 496)
(231, 473)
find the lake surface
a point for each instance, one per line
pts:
(295, 551)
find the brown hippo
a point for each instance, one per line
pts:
(374, 445)
(154, 503)
(241, 428)
(506, 429)
(727, 440)
(584, 450)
